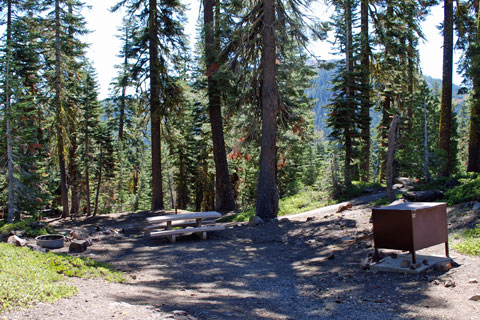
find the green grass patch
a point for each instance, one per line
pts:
(301, 202)
(31, 228)
(469, 242)
(28, 277)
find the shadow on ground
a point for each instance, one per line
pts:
(279, 270)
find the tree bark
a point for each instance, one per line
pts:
(99, 182)
(124, 88)
(425, 144)
(365, 95)
(267, 190)
(11, 178)
(349, 91)
(87, 170)
(474, 135)
(58, 102)
(391, 154)
(155, 112)
(224, 200)
(445, 130)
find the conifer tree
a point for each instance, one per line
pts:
(161, 36)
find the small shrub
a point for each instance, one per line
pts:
(30, 227)
(469, 190)
(469, 242)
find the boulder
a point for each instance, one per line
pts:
(79, 234)
(475, 297)
(476, 206)
(17, 241)
(443, 266)
(78, 246)
(397, 186)
(423, 196)
(255, 220)
(403, 180)
(344, 207)
(399, 201)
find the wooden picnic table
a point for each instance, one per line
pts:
(194, 222)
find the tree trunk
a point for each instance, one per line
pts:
(58, 102)
(445, 130)
(348, 91)
(391, 154)
(11, 178)
(124, 89)
(87, 171)
(73, 175)
(474, 135)
(382, 143)
(155, 112)
(365, 95)
(99, 182)
(425, 144)
(267, 190)
(224, 200)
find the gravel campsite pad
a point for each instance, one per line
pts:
(308, 266)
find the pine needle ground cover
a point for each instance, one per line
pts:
(28, 277)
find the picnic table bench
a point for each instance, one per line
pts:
(194, 222)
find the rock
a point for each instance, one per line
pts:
(449, 284)
(17, 241)
(309, 219)
(425, 262)
(476, 206)
(344, 207)
(330, 256)
(37, 248)
(79, 234)
(399, 201)
(423, 196)
(369, 190)
(436, 282)
(394, 255)
(78, 246)
(415, 266)
(473, 281)
(403, 180)
(443, 266)
(405, 263)
(365, 264)
(397, 186)
(475, 297)
(255, 221)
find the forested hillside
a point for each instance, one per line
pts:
(228, 126)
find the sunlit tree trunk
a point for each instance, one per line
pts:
(224, 200)
(365, 98)
(445, 130)
(155, 112)
(267, 190)
(60, 111)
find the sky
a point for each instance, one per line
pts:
(105, 46)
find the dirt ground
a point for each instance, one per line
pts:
(307, 266)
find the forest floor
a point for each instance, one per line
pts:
(305, 266)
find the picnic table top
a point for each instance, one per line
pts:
(185, 216)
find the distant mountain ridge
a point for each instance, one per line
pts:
(321, 91)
